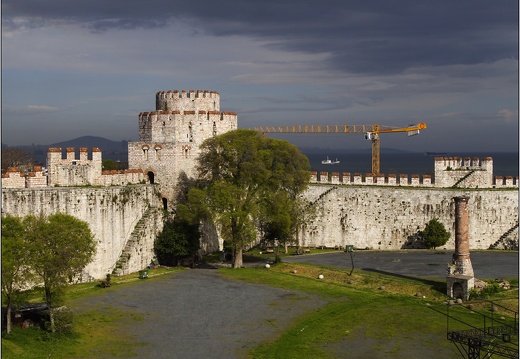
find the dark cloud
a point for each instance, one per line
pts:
(363, 37)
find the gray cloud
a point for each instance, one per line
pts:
(364, 37)
(90, 64)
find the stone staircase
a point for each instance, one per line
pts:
(505, 241)
(456, 185)
(122, 266)
(322, 195)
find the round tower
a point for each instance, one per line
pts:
(187, 100)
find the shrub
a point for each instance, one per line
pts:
(434, 234)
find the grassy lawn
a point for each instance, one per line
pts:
(94, 335)
(386, 316)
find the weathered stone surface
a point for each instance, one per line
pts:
(385, 218)
(111, 212)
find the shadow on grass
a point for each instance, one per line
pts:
(439, 286)
(254, 259)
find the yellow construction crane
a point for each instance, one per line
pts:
(371, 133)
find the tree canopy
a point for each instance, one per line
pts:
(434, 234)
(245, 174)
(178, 239)
(59, 247)
(14, 264)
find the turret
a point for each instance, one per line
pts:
(187, 100)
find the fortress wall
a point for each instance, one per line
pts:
(73, 171)
(36, 178)
(13, 178)
(165, 161)
(384, 218)
(122, 177)
(111, 212)
(447, 179)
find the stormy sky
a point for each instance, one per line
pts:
(88, 67)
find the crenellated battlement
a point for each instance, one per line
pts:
(464, 172)
(346, 178)
(450, 172)
(403, 180)
(13, 178)
(187, 100)
(466, 163)
(193, 94)
(82, 171)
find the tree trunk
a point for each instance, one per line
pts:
(237, 258)
(8, 319)
(48, 299)
(51, 317)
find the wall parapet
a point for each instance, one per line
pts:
(449, 172)
(371, 180)
(71, 171)
(414, 180)
(13, 178)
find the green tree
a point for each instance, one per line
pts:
(434, 234)
(178, 239)
(240, 170)
(59, 247)
(15, 266)
(276, 221)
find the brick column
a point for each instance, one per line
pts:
(461, 256)
(460, 278)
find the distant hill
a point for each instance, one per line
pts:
(114, 150)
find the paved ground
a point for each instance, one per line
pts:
(418, 263)
(198, 314)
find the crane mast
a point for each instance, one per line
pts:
(371, 133)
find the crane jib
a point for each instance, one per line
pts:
(371, 132)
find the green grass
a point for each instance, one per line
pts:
(94, 334)
(392, 321)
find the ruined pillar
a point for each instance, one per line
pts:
(461, 256)
(460, 278)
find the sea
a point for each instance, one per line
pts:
(402, 162)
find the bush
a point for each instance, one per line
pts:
(434, 234)
(63, 320)
(178, 240)
(486, 292)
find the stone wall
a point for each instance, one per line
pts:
(387, 218)
(449, 172)
(13, 178)
(111, 212)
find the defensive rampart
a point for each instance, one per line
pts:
(111, 212)
(70, 171)
(449, 172)
(389, 218)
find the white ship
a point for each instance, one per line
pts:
(329, 162)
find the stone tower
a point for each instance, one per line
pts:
(460, 278)
(170, 136)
